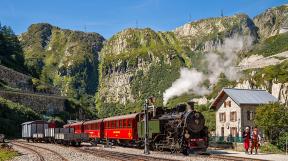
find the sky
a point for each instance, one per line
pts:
(107, 17)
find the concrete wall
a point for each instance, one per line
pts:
(39, 103)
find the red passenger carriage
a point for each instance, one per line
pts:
(121, 127)
(94, 129)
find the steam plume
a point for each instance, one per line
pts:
(220, 60)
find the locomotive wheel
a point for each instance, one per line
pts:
(173, 150)
(73, 143)
(185, 152)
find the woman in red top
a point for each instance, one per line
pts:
(246, 139)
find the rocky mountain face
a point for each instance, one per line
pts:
(64, 58)
(272, 22)
(205, 34)
(136, 63)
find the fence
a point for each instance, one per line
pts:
(226, 139)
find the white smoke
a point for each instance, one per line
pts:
(221, 60)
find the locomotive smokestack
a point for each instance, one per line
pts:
(190, 105)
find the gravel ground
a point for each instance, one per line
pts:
(165, 155)
(68, 152)
(25, 154)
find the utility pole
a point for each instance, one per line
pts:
(136, 24)
(149, 103)
(146, 149)
(222, 15)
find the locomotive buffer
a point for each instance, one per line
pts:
(149, 103)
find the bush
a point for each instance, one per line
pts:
(269, 148)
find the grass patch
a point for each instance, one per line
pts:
(6, 154)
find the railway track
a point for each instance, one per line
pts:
(134, 157)
(40, 156)
(121, 156)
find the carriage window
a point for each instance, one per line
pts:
(117, 124)
(124, 123)
(129, 123)
(120, 123)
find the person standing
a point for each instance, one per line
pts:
(246, 139)
(255, 140)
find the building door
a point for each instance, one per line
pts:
(222, 131)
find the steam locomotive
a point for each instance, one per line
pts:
(181, 129)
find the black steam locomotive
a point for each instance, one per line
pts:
(180, 129)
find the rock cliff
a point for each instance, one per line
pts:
(64, 58)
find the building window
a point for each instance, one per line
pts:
(250, 115)
(222, 117)
(233, 131)
(227, 104)
(233, 116)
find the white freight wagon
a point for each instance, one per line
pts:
(34, 129)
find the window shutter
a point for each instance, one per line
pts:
(235, 116)
(229, 103)
(225, 117)
(248, 115)
(225, 104)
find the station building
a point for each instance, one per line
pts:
(235, 109)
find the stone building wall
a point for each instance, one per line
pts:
(39, 103)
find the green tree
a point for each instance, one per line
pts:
(272, 118)
(11, 54)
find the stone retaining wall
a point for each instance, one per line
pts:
(39, 103)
